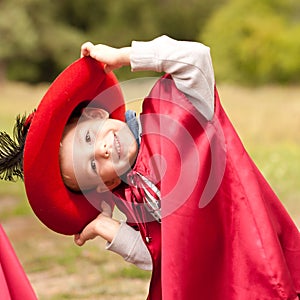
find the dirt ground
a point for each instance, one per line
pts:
(58, 269)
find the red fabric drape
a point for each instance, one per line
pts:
(224, 233)
(14, 284)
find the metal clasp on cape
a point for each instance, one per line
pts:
(151, 196)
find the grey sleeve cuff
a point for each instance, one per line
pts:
(129, 244)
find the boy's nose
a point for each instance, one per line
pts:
(102, 150)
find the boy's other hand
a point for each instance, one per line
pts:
(104, 226)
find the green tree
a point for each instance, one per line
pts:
(40, 38)
(15, 25)
(33, 44)
(119, 22)
(256, 41)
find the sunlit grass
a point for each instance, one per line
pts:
(131, 272)
(281, 166)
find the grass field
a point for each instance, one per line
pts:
(268, 122)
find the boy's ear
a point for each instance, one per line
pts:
(109, 185)
(95, 113)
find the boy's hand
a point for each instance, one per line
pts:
(113, 58)
(103, 226)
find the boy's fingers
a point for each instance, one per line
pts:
(107, 68)
(86, 49)
(77, 239)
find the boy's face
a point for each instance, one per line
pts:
(96, 151)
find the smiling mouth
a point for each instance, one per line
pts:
(117, 145)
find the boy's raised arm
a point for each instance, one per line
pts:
(189, 63)
(113, 58)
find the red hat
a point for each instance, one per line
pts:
(53, 203)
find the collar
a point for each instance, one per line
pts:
(134, 125)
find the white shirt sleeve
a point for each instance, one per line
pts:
(189, 64)
(129, 244)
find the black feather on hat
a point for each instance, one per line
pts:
(11, 149)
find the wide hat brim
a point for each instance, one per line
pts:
(60, 209)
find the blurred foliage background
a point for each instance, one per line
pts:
(252, 41)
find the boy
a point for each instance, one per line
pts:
(236, 237)
(213, 226)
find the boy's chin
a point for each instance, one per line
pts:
(109, 186)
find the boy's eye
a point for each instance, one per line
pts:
(93, 165)
(88, 137)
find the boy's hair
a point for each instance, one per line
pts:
(68, 181)
(72, 122)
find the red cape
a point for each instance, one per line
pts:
(14, 284)
(224, 234)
